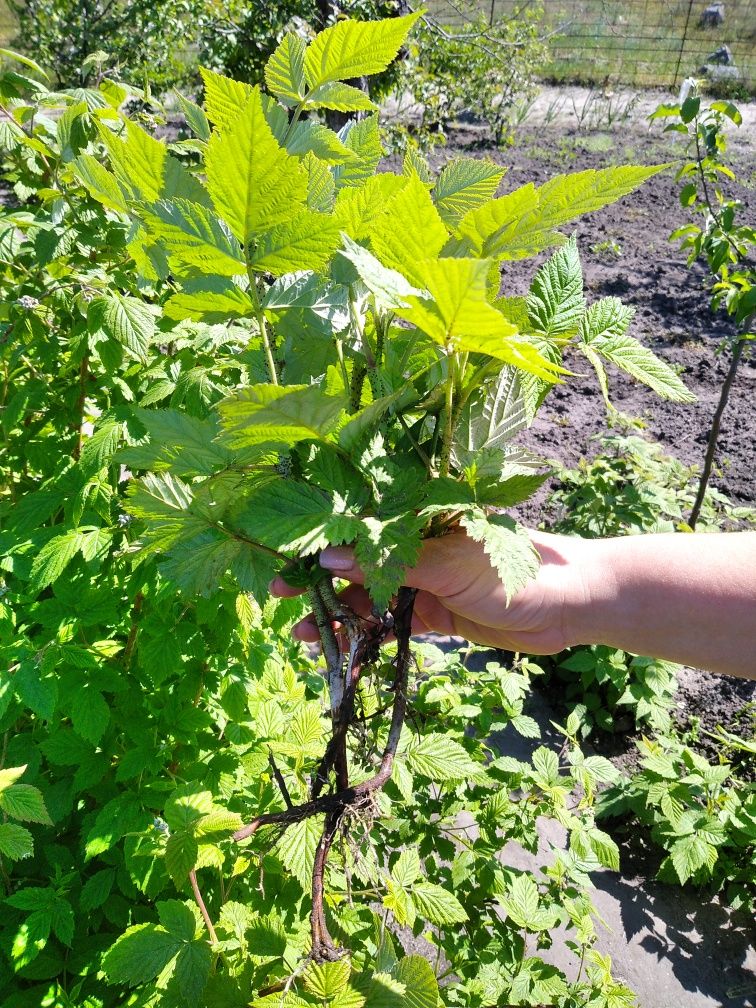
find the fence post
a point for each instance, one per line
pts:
(682, 44)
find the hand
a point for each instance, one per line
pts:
(460, 594)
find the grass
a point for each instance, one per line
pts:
(641, 42)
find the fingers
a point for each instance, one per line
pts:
(428, 615)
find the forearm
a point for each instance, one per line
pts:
(687, 598)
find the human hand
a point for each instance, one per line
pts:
(460, 594)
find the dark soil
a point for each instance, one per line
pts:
(673, 318)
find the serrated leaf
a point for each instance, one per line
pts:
(16, 842)
(253, 182)
(191, 973)
(420, 984)
(145, 169)
(458, 315)
(409, 232)
(555, 302)
(125, 319)
(306, 241)
(90, 714)
(326, 980)
(387, 286)
(303, 302)
(96, 890)
(495, 419)
(308, 136)
(284, 71)
(354, 49)
(436, 904)
(508, 547)
(287, 516)
(195, 117)
(282, 415)
(523, 222)
(101, 183)
(363, 138)
(688, 854)
(25, 803)
(407, 868)
(321, 185)
(140, 955)
(463, 185)
(604, 848)
(35, 690)
(631, 356)
(296, 849)
(181, 852)
(384, 550)
(98, 450)
(194, 238)
(53, 559)
(182, 442)
(521, 901)
(441, 758)
(340, 97)
(209, 299)
(224, 98)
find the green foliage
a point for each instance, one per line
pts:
(133, 37)
(481, 67)
(702, 814)
(292, 350)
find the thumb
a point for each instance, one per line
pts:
(441, 568)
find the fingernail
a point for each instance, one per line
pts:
(337, 558)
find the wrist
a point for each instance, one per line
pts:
(592, 595)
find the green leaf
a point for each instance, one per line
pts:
(90, 714)
(310, 136)
(384, 550)
(99, 449)
(24, 802)
(181, 442)
(603, 334)
(436, 904)
(209, 299)
(355, 49)
(420, 984)
(101, 183)
(521, 902)
(140, 955)
(191, 974)
(688, 854)
(195, 117)
(194, 239)
(304, 242)
(407, 868)
(224, 98)
(53, 559)
(459, 316)
(321, 185)
(523, 222)
(556, 305)
(493, 420)
(144, 167)
(340, 97)
(463, 185)
(305, 303)
(605, 849)
(325, 980)
(284, 71)
(508, 546)
(16, 842)
(440, 758)
(181, 852)
(296, 849)
(288, 516)
(363, 138)
(410, 231)
(254, 183)
(35, 690)
(388, 287)
(96, 890)
(125, 319)
(283, 415)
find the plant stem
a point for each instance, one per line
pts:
(716, 423)
(203, 907)
(262, 325)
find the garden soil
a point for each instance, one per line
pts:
(676, 948)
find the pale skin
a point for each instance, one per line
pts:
(687, 598)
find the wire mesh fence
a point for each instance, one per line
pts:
(641, 42)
